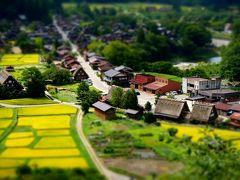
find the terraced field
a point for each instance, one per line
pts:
(19, 59)
(43, 137)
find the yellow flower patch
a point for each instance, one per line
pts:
(1, 131)
(8, 163)
(4, 123)
(20, 135)
(46, 122)
(7, 173)
(56, 142)
(57, 132)
(22, 142)
(6, 113)
(19, 59)
(37, 153)
(47, 110)
(60, 163)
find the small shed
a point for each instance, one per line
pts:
(223, 108)
(204, 113)
(104, 111)
(133, 114)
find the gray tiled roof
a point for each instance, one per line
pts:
(131, 111)
(102, 106)
(111, 73)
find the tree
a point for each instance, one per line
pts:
(119, 53)
(117, 96)
(97, 46)
(149, 118)
(172, 131)
(34, 82)
(130, 100)
(58, 76)
(148, 106)
(82, 91)
(230, 65)
(236, 30)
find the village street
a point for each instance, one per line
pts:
(97, 83)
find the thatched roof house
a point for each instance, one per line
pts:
(173, 109)
(204, 113)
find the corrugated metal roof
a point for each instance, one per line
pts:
(111, 73)
(102, 106)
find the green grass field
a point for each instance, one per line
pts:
(167, 76)
(19, 59)
(27, 101)
(44, 136)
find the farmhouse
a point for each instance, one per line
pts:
(194, 84)
(104, 110)
(125, 70)
(9, 81)
(79, 74)
(172, 109)
(204, 113)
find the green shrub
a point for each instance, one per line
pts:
(172, 131)
(145, 134)
(161, 137)
(108, 150)
(149, 118)
(23, 170)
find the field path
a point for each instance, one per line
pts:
(100, 166)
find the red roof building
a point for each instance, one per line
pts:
(222, 108)
(235, 119)
(140, 80)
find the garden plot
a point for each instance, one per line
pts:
(19, 59)
(44, 137)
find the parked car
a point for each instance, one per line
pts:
(88, 81)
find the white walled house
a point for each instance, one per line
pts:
(195, 84)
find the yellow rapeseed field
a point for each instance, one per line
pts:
(53, 132)
(37, 153)
(19, 142)
(47, 110)
(56, 142)
(6, 113)
(195, 131)
(60, 162)
(1, 131)
(6, 173)
(45, 122)
(19, 59)
(20, 135)
(8, 163)
(4, 123)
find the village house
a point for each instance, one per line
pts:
(112, 76)
(225, 95)
(104, 111)
(79, 74)
(10, 69)
(172, 109)
(9, 81)
(223, 108)
(140, 80)
(203, 113)
(63, 51)
(194, 84)
(125, 70)
(234, 108)
(104, 66)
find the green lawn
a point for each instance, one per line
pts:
(27, 101)
(167, 76)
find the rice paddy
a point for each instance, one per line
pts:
(44, 136)
(54, 109)
(19, 59)
(6, 113)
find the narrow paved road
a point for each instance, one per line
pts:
(97, 83)
(102, 86)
